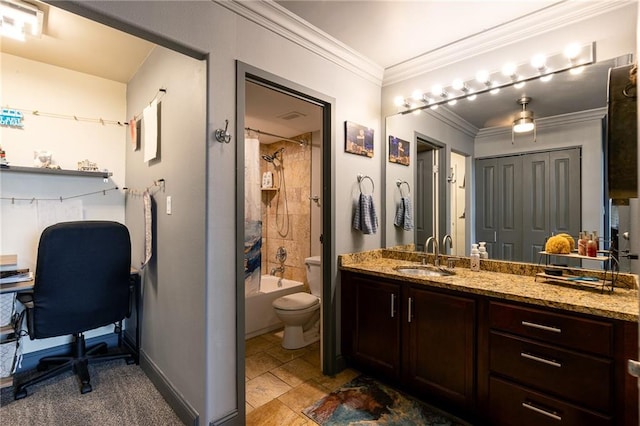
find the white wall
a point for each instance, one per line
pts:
(34, 86)
(437, 126)
(227, 37)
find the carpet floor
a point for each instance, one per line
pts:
(365, 401)
(122, 395)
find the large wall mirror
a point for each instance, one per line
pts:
(470, 140)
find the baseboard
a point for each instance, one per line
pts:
(230, 419)
(183, 410)
(30, 360)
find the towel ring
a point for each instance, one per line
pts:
(399, 184)
(363, 177)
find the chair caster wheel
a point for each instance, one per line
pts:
(86, 388)
(19, 394)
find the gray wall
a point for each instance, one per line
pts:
(174, 287)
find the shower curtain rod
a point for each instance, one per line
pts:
(302, 142)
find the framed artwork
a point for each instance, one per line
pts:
(399, 151)
(358, 139)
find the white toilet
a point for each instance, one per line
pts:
(300, 312)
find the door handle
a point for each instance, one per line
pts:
(542, 411)
(393, 305)
(541, 327)
(540, 359)
(633, 367)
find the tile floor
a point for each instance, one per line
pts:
(280, 382)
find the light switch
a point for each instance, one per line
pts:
(168, 204)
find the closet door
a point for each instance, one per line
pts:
(565, 196)
(535, 205)
(486, 178)
(509, 244)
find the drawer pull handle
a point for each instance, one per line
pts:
(541, 411)
(541, 327)
(540, 359)
(409, 314)
(393, 305)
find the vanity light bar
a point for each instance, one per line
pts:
(574, 57)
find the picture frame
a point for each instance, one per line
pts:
(399, 151)
(358, 139)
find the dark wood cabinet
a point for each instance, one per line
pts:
(373, 338)
(421, 339)
(440, 346)
(487, 360)
(545, 367)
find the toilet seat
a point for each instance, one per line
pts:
(296, 301)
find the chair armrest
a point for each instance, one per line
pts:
(26, 299)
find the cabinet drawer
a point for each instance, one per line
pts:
(583, 379)
(573, 332)
(511, 404)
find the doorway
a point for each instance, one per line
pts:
(280, 148)
(430, 189)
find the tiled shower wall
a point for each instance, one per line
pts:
(295, 238)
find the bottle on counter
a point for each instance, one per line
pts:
(582, 244)
(482, 250)
(475, 258)
(592, 247)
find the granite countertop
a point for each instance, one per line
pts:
(516, 282)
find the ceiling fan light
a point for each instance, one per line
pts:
(523, 125)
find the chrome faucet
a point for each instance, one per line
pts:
(436, 255)
(444, 243)
(280, 269)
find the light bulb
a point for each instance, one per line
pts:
(538, 61)
(437, 90)
(572, 51)
(458, 84)
(509, 69)
(417, 95)
(546, 78)
(519, 85)
(482, 76)
(472, 97)
(398, 101)
(576, 71)
(452, 102)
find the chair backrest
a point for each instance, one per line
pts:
(82, 277)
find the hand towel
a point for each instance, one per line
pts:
(404, 218)
(364, 217)
(407, 222)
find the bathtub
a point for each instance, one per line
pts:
(259, 315)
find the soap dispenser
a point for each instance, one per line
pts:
(475, 258)
(482, 250)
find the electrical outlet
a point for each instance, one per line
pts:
(168, 204)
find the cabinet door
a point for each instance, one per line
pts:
(440, 346)
(376, 326)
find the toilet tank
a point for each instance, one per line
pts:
(314, 275)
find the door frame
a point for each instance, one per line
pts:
(440, 180)
(328, 343)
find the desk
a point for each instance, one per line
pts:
(7, 333)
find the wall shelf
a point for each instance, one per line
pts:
(59, 172)
(607, 282)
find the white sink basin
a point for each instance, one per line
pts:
(424, 271)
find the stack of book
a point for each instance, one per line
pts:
(9, 271)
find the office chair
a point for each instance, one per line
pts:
(82, 282)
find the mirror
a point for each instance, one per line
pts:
(570, 112)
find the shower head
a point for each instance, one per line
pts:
(268, 158)
(278, 152)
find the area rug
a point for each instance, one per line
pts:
(365, 401)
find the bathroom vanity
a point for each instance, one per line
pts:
(492, 346)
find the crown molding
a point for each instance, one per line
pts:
(561, 14)
(550, 122)
(453, 120)
(281, 21)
